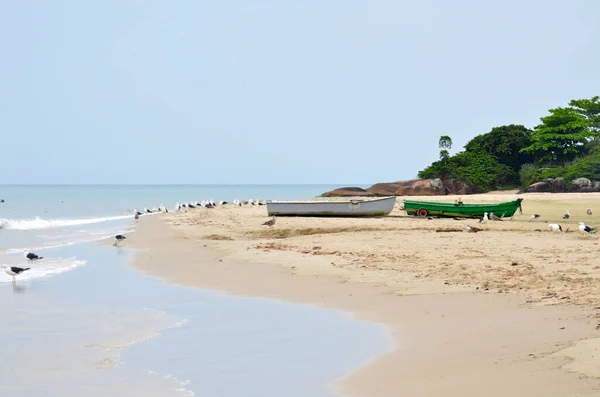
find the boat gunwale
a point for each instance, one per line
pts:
(463, 205)
(349, 200)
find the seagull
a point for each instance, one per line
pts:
(534, 216)
(31, 256)
(494, 217)
(136, 216)
(485, 218)
(589, 210)
(567, 215)
(586, 229)
(13, 271)
(119, 238)
(473, 229)
(555, 227)
(270, 222)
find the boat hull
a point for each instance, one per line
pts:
(453, 210)
(346, 208)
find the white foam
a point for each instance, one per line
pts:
(97, 237)
(180, 384)
(38, 223)
(48, 268)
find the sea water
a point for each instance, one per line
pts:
(81, 322)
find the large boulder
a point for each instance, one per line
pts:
(347, 192)
(543, 186)
(454, 186)
(559, 185)
(581, 185)
(412, 187)
(384, 189)
(547, 185)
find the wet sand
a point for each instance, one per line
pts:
(506, 311)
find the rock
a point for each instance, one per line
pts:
(453, 186)
(581, 185)
(385, 189)
(412, 187)
(559, 185)
(543, 186)
(346, 192)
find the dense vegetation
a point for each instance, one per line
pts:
(565, 144)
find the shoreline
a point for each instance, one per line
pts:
(443, 333)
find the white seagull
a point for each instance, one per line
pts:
(589, 210)
(485, 218)
(567, 215)
(534, 216)
(13, 271)
(555, 227)
(586, 229)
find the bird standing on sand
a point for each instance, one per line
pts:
(555, 227)
(32, 257)
(567, 215)
(589, 210)
(494, 217)
(13, 271)
(586, 229)
(270, 222)
(485, 218)
(534, 216)
(473, 229)
(136, 216)
(119, 238)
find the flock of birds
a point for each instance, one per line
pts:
(197, 204)
(14, 271)
(555, 227)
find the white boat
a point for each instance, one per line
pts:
(350, 207)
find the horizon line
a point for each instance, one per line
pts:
(182, 184)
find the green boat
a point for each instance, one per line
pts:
(461, 210)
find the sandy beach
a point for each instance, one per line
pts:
(508, 311)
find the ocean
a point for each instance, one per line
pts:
(81, 322)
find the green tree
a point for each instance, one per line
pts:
(445, 144)
(505, 144)
(479, 170)
(560, 137)
(590, 109)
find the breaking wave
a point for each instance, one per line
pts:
(38, 223)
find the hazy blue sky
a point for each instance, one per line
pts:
(118, 91)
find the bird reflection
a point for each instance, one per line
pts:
(17, 288)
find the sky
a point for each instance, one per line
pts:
(275, 91)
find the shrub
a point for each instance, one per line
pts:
(586, 167)
(528, 174)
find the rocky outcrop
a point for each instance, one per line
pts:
(411, 187)
(558, 185)
(582, 185)
(346, 192)
(454, 186)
